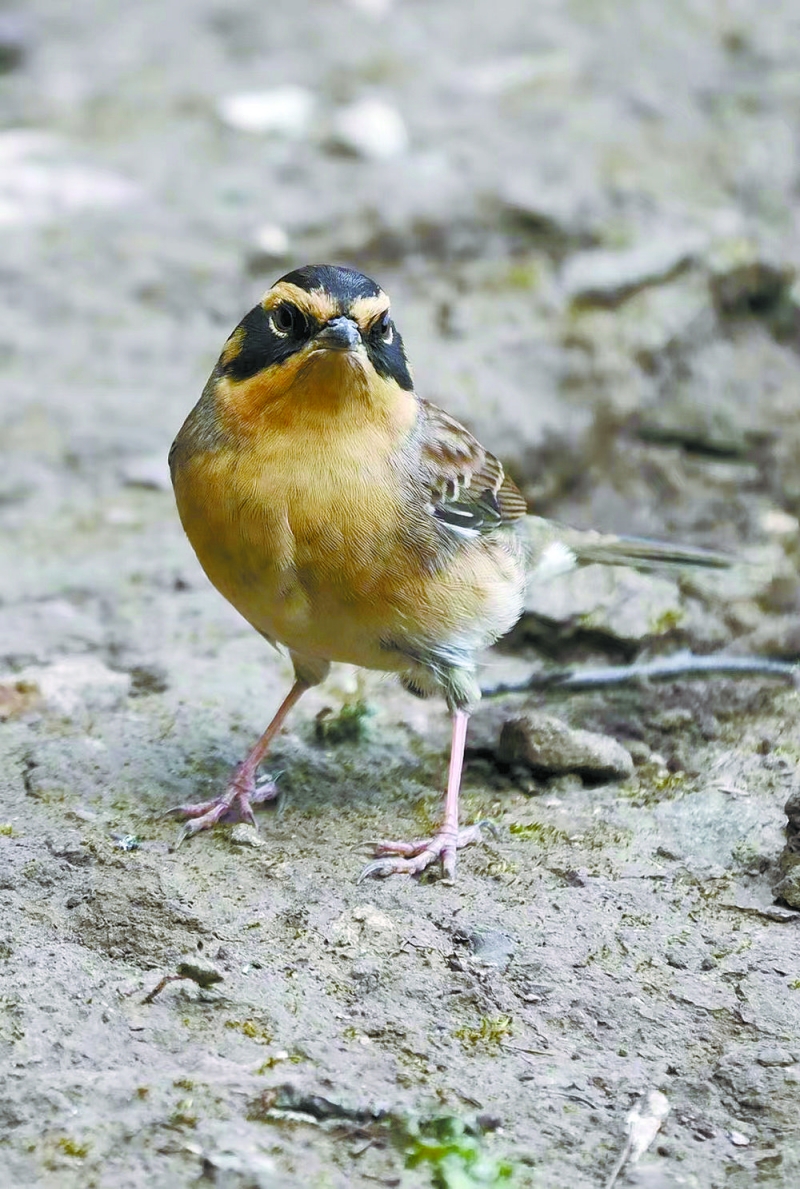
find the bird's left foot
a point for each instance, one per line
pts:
(410, 858)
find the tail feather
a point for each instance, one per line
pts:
(556, 549)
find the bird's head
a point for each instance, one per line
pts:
(320, 337)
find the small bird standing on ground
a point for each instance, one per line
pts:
(350, 520)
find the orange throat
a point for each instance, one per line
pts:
(315, 387)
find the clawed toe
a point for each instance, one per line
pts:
(412, 858)
(440, 842)
(197, 810)
(397, 865)
(406, 849)
(234, 805)
(382, 868)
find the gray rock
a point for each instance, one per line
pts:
(787, 889)
(613, 600)
(78, 685)
(15, 39)
(746, 278)
(547, 745)
(712, 827)
(772, 1055)
(491, 947)
(654, 1177)
(708, 401)
(230, 1162)
(703, 991)
(754, 1087)
(35, 633)
(40, 183)
(200, 971)
(147, 470)
(559, 211)
(606, 277)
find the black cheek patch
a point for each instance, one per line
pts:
(389, 360)
(260, 346)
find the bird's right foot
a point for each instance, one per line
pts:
(234, 805)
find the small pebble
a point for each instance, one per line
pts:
(82, 813)
(371, 8)
(283, 111)
(371, 128)
(365, 922)
(271, 242)
(792, 807)
(126, 842)
(745, 277)
(778, 523)
(17, 698)
(243, 834)
(639, 751)
(204, 973)
(740, 1141)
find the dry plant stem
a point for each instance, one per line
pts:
(618, 1167)
(413, 857)
(680, 664)
(236, 801)
(159, 987)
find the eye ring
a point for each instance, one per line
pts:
(287, 321)
(385, 328)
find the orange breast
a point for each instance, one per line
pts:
(304, 524)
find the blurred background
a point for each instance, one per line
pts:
(586, 214)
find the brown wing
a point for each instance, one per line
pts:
(469, 489)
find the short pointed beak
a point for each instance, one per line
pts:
(340, 334)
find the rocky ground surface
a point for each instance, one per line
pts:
(586, 215)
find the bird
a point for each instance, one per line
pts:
(348, 519)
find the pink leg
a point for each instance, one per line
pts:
(413, 857)
(235, 804)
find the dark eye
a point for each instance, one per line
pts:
(384, 328)
(287, 320)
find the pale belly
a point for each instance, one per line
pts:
(377, 613)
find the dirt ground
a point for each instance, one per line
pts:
(589, 236)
